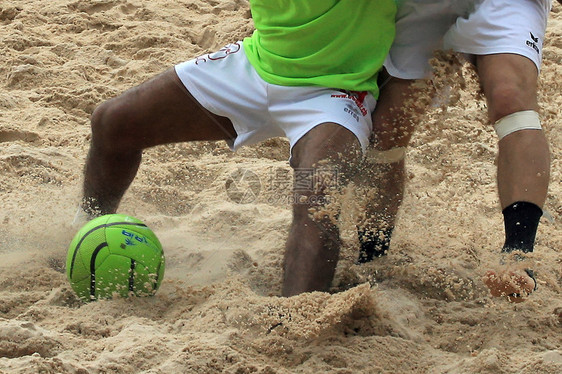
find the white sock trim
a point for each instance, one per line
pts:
(81, 218)
(548, 216)
(524, 120)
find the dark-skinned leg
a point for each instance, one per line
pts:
(159, 111)
(313, 245)
(394, 120)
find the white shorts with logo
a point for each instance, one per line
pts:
(473, 27)
(226, 84)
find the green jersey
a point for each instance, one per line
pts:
(331, 43)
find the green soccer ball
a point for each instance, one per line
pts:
(114, 255)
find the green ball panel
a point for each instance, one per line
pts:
(78, 265)
(145, 281)
(84, 257)
(133, 244)
(78, 242)
(118, 275)
(112, 277)
(130, 242)
(82, 288)
(133, 224)
(140, 230)
(76, 270)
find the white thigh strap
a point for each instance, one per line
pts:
(525, 120)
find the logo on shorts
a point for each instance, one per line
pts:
(219, 55)
(358, 97)
(533, 43)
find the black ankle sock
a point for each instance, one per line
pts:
(521, 220)
(373, 243)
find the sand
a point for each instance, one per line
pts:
(421, 309)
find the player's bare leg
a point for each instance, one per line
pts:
(159, 111)
(510, 85)
(313, 245)
(384, 167)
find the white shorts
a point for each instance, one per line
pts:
(473, 27)
(226, 84)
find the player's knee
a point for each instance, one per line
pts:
(111, 124)
(393, 134)
(311, 182)
(102, 123)
(506, 99)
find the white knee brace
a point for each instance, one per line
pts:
(386, 157)
(525, 120)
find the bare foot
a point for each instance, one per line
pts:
(515, 285)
